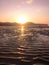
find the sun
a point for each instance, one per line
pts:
(22, 19)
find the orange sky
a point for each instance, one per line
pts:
(37, 11)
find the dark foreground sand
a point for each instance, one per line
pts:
(29, 47)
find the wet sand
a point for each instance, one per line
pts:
(23, 47)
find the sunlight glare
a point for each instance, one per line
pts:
(22, 19)
(22, 30)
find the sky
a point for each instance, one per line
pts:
(37, 11)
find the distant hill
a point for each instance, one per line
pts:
(8, 24)
(14, 24)
(28, 24)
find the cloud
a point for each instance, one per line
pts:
(29, 1)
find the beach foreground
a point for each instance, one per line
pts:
(24, 46)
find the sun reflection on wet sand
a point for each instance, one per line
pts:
(22, 30)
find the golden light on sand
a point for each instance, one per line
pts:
(22, 19)
(22, 30)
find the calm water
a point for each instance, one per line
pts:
(24, 46)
